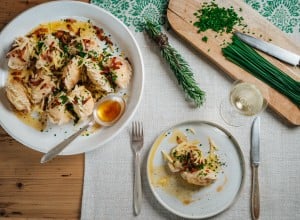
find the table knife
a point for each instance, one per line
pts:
(271, 49)
(255, 161)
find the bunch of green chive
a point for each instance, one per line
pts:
(248, 59)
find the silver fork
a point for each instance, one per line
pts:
(137, 141)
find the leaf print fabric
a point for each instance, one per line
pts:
(135, 12)
(285, 14)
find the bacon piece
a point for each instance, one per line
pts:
(101, 35)
(122, 70)
(20, 54)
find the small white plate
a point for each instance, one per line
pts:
(54, 11)
(192, 201)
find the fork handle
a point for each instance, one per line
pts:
(137, 187)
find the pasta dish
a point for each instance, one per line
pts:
(60, 69)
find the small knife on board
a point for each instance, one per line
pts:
(255, 161)
(271, 49)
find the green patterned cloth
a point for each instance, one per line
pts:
(134, 12)
(285, 14)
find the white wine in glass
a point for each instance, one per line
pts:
(245, 100)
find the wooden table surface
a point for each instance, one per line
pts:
(29, 189)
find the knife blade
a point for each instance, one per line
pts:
(255, 141)
(271, 49)
(255, 161)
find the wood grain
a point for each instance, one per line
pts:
(181, 18)
(28, 189)
(31, 190)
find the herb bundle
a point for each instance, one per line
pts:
(178, 65)
(248, 59)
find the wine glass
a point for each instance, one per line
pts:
(246, 100)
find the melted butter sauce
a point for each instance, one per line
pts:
(152, 154)
(173, 183)
(93, 129)
(221, 187)
(35, 119)
(109, 110)
(175, 135)
(85, 27)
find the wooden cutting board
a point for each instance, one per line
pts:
(181, 18)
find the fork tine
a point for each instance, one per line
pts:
(142, 130)
(138, 128)
(134, 128)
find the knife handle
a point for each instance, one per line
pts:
(255, 202)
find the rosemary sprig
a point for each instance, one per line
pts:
(178, 65)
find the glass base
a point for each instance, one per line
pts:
(231, 116)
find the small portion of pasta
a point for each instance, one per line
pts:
(196, 168)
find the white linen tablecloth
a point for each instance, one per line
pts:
(108, 178)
